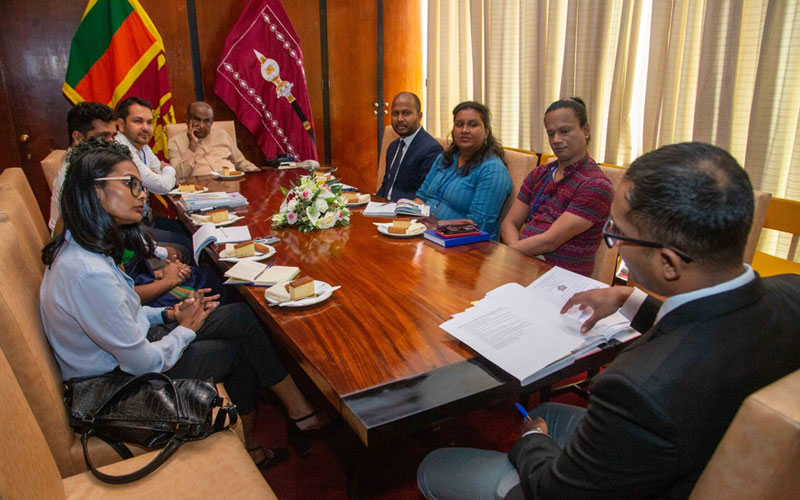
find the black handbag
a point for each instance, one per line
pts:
(151, 410)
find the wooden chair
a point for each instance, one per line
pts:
(781, 215)
(217, 467)
(759, 455)
(15, 179)
(228, 126)
(51, 164)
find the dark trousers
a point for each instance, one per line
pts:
(231, 347)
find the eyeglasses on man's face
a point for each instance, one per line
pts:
(131, 181)
(612, 234)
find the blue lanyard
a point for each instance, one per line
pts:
(536, 202)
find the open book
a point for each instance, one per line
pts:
(402, 207)
(521, 329)
(208, 234)
(247, 272)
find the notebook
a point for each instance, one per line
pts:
(247, 272)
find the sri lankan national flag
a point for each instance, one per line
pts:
(118, 53)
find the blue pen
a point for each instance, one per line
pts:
(522, 410)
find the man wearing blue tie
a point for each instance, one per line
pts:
(409, 158)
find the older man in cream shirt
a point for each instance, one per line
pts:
(204, 149)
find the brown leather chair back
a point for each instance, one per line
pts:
(30, 242)
(605, 259)
(25, 346)
(51, 164)
(759, 455)
(15, 178)
(28, 470)
(389, 135)
(519, 165)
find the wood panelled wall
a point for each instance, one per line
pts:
(34, 50)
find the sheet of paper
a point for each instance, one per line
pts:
(232, 234)
(246, 270)
(516, 331)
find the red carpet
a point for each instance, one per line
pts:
(388, 473)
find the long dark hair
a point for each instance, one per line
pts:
(490, 145)
(85, 218)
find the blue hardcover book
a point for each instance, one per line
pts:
(431, 236)
(208, 201)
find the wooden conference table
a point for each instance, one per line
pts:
(375, 348)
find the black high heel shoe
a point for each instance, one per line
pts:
(299, 438)
(278, 456)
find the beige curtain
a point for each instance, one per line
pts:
(651, 73)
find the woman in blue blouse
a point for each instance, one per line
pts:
(469, 179)
(96, 323)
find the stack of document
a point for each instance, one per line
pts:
(521, 329)
(203, 201)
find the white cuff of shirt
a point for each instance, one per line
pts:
(161, 253)
(632, 304)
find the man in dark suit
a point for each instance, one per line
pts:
(681, 218)
(409, 158)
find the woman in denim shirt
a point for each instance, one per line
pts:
(469, 180)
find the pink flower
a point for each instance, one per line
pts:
(341, 216)
(291, 217)
(306, 193)
(290, 195)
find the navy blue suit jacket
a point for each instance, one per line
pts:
(415, 165)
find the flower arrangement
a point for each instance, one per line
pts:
(312, 204)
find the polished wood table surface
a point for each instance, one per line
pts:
(375, 348)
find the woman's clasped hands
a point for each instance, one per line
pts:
(192, 312)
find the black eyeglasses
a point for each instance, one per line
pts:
(611, 235)
(131, 181)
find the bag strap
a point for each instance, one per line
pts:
(166, 452)
(130, 385)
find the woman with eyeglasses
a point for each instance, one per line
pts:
(561, 207)
(96, 323)
(469, 179)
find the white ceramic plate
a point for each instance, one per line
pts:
(323, 290)
(415, 229)
(363, 199)
(232, 217)
(235, 175)
(223, 255)
(175, 191)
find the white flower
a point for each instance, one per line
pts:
(292, 205)
(321, 205)
(278, 219)
(313, 215)
(291, 218)
(283, 207)
(328, 221)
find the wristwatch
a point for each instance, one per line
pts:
(164, 316)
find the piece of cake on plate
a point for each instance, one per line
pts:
(351, 197)
(219, 215)
(244, 249)
(302, 288)
(187, 188)
(399, 227)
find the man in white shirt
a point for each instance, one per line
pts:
(84, 120)
(204, 149)
(135, 124)
(681, 218)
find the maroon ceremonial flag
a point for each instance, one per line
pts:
(261, 78)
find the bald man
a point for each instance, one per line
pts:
(203, 149)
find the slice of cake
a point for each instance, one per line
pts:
(226, 171)
(351, 197)
(187, 188)
(302, 288)
(244, 249)
(219, 215)
(399, 227)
